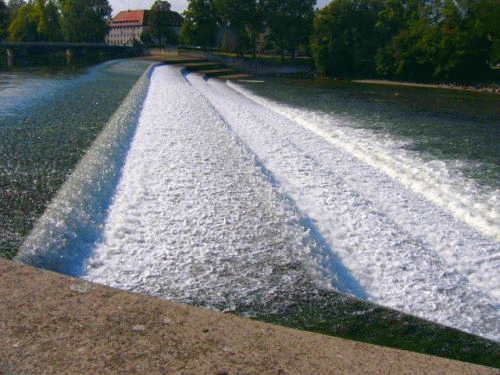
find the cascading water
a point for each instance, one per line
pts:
(227, 199)
(195, 220)
(65, 235)
(414, 242)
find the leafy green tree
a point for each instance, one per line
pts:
(21, 26)
(14, 5)
(488, 21)
(146, 37)
(200, 24)
(289, 21)
(84, 20)
(452, 41)
(411, 53)
(45, 16)
(395, 15)
(161, 21)
(37, 20)
(345, 40)
(241, 17)
(411, 39)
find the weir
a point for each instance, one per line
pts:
(191, 216)
(65, 235)
(406, 252)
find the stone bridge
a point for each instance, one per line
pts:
(24, 49)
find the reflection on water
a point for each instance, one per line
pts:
(51, 62)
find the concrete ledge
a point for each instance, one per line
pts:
(52, 324)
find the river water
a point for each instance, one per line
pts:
(251, 193)
(48, 118)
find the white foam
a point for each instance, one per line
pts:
(228, 199)
(193, 218)
(65, 234)
(483, 217)
(376, 211)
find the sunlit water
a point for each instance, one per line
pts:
(48, 118)
(228, 198)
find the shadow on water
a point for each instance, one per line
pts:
(345, 312)
(332, 265)
(333, 269)
(51, 62)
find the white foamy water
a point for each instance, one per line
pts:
(227, 199)
(194, 219)
(413, 240)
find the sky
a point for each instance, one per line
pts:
(177, 5)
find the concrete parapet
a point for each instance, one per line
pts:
(59, 325)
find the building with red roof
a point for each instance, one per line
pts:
(128, 25)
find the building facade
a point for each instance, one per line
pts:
(127, 27)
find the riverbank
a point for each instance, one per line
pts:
(52, 324)
(490, 88)
(259, 67)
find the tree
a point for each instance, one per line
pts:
(45, 16)
(200, 24)
(488, 15)
(241, 18)
(146, 37)
(84, 20)
(395, 15)
(289, 21)
(410, 39)
(449, 42)
(162, 21)
(345, 40)
(22, 26)
(37, 21)
(14, 5)
(4, 19)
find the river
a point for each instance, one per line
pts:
(48, 118)
(256, 194)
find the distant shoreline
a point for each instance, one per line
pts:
(172, 55)
(490, 88)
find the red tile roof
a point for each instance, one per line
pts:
(129, 18)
